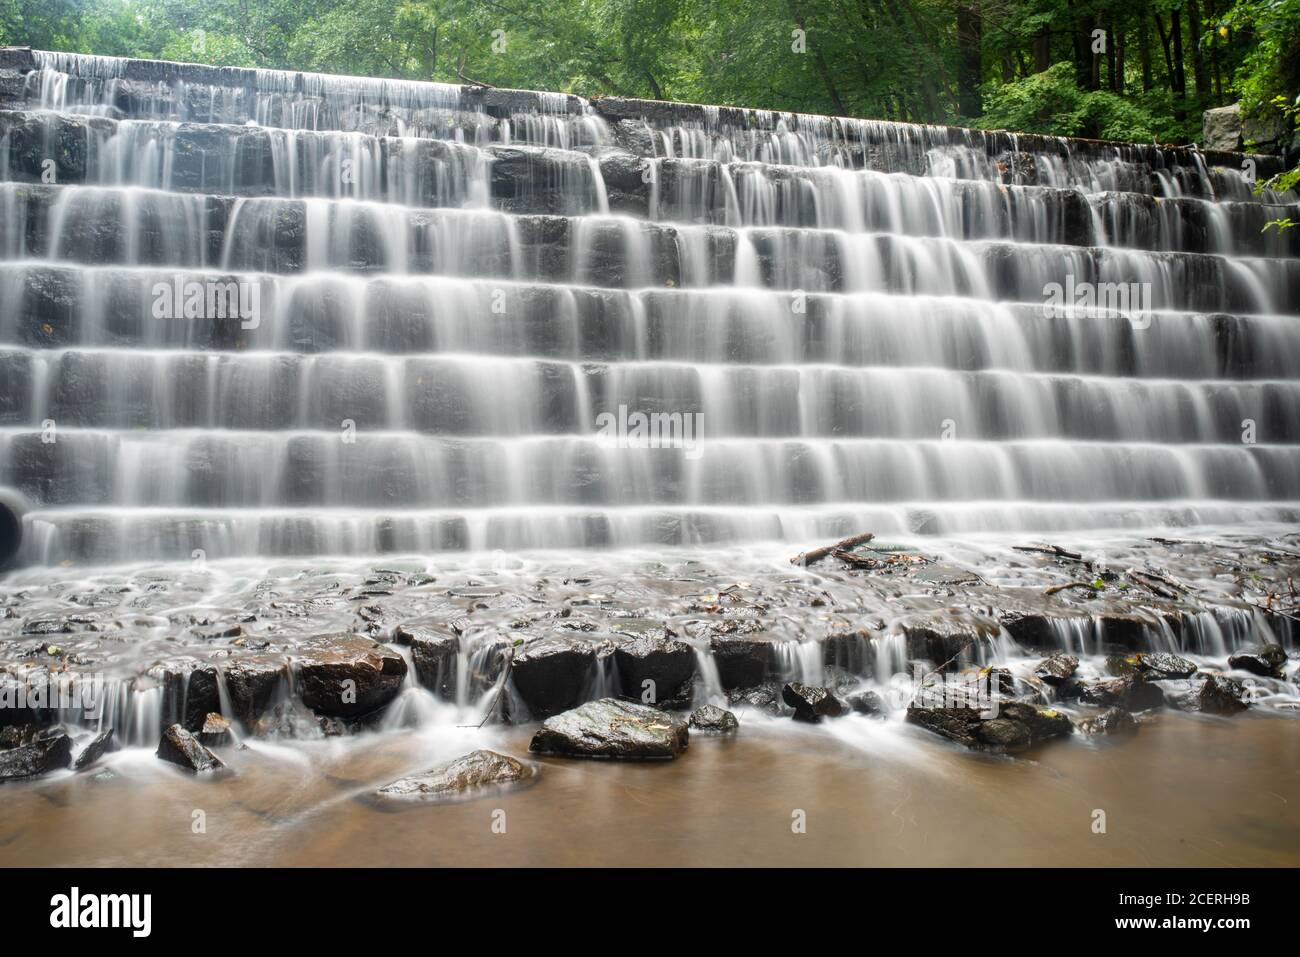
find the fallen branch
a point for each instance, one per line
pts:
(817, 554)
(1055, 550)
(1055, 588)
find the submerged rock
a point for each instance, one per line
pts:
(434, 649)
(550, 674)
(478, 769)
(1014, 727)
(347, 675)
(765, 697)
(48, 751)
(866, 702)
(183, 749)
(811, 704)
(714, 720)
(99, 745)
(1130, 693)
(1222, 695)
(1267, 662)
(1113, 721)
(215, 731)
(610, 728)
(1056, 669)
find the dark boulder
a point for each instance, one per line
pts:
(1014, 726)
(1130, 693)
(202, 697)
(1123, 666)
(666, 662)
(610, 728)
(866, 702)
(254, 684)
(49, 750)
(1056, 669)
(181, 748)
(1222, 695)
(1267, 662)
(741, 662)
(764, 697)
(346, 675)
(811, 704)
(1161, 664)
(435, 648)
(1113, 721)
(714, 720)
(470, 772)
(98, 746)
(551, 674)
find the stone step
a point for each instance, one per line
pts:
(371, 469)
(498, 396)
(127, 226)
(44, 306)
(118, 534)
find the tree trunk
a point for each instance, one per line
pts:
(970, 29)
(1042, 49)
(1144, 53)
(1180, 72)
(1195, 27)
(819, 61)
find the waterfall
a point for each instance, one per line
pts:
(258, 312)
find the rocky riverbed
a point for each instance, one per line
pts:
(923, 651)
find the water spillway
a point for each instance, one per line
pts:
(255, 312)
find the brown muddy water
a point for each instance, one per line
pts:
(1188, 790)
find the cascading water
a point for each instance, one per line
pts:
(252, 317)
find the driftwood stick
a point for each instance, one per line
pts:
(1052, 590)
(844, 545)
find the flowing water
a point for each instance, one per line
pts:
(278, 347)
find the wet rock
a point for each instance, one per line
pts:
(1121, 666)
(551, 674)
(469, 772)
(215, 731)
(253, 684)
(1014, 726)
(1130, 693)
(1113, 721)
(1222, 695)
(811, 704)
(1056, 669)
(16, 735)
(1267, 662)
(665, 662)
(1161, 664)
(181, 748)
(293, 720)
(48, 751)
(764, 697)
(714, 720)
(610, 728)
(346, 675)
(99, 745)
(434, 650)
(741, 662)
(866, 702)
(202, 697)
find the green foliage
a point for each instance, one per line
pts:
(1030, 64)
